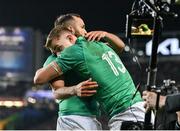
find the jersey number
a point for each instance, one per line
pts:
(108, 56)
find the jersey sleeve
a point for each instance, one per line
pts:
(70, 58)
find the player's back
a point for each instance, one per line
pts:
(100, 62)
(116, 86)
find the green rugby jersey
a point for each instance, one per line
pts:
(75, 105)
(100, 62)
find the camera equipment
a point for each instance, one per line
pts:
(169, 87)
(130, 125)
(140, 22)
(146, 19)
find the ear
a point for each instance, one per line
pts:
(71, 29)
(70, 37)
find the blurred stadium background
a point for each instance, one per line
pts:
(24, 26)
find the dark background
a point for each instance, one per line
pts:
(109, 15)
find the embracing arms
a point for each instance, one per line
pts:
(112, 39)
(51, 71)
(83, 89)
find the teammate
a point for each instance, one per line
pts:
(96, 60)
(74, 106)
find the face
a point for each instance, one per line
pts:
(78, 27)
(64, 41)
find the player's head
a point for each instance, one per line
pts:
(60, 37)
(72, 21)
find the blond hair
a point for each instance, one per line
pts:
(56, 32)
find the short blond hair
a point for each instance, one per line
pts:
(55, 33)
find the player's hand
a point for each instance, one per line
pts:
(95, 35)
(86, 88)
(150, 99)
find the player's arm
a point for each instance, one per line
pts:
(51, 71)
(83, 89)
(112, 39)
(45, 74)
(59, 89)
